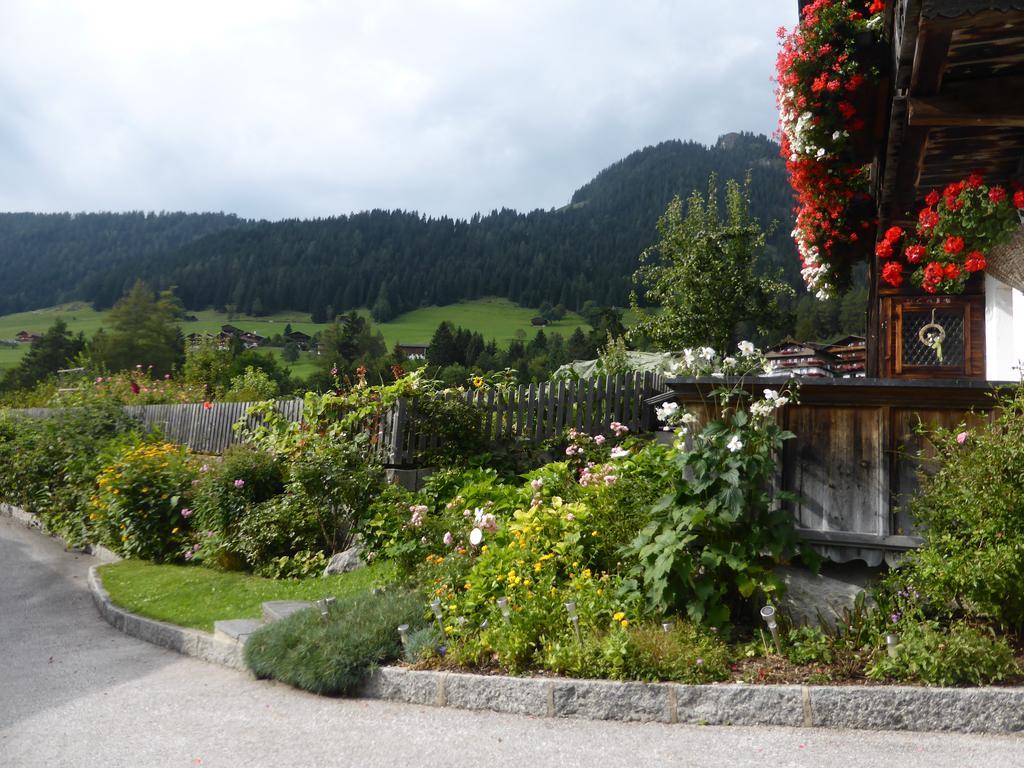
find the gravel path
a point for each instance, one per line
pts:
(74, 692)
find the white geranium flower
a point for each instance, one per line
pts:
(667, 411)
(746, 348)
(476, 537)
(734, 443)
(770, 394)
(689, 357)
(707, 353)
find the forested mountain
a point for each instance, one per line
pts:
(394, 261)
(50, 258)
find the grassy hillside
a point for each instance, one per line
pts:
(498, 319)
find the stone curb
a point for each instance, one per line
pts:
(890, 708)
(189, 642)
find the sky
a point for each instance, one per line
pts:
(306, 108)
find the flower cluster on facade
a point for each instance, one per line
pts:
(822, 78)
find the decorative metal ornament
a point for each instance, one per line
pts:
(932, 335)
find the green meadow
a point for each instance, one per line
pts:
(497, 319)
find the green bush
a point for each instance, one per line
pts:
(685, 654)
(335, 656)
(970, 510)
(226, 495)
(140, 506)
(961, 654)
(276, 530)
(49, 466)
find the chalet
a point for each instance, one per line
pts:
(26, 337)
(952, 104)
(797, 358)
(538, 320)
(850, 353)
(248, 338)
(302, 340)
(413, 351)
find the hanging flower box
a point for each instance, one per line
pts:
(829, 70)
(956, 230)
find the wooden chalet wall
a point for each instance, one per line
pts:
(956, 105)
(854, 460)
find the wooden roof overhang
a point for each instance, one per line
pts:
(957, 100)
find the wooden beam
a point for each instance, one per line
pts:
(995, 103)
(844, 538)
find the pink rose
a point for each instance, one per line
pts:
(962, 438)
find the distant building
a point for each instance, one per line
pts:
(414, 351)
(798, 358)
(25, 337)
(851, 355)
(248, 338)
(539, 320)
(302, 340)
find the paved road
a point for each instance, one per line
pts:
(74, 692)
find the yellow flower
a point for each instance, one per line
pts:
(618, 616)
(537, 567)
(173, 531)
(624, 623)
(478, 382)
(586, 573)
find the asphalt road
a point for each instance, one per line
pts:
(74, 692)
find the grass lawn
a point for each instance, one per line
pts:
(497, 319)
(193, 596)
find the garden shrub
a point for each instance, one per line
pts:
(140, 508)
(685, 653)
(959, 654)
(712, 541)
(226, 494)
(970, 511)
(279, 528)
(335, 656)
(49, 466)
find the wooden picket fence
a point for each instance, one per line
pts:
(533, 413)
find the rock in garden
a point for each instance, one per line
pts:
(343, 562)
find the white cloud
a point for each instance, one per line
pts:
(313, 107)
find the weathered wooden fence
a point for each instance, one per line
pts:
(855, 458)
(535, 413)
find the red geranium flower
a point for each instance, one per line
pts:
(933, 198)
(1018, 198)
(997, 195)
(951, 271)
(975, 180)
(975, 261)
(892, 234)
(877, 6)
(892, 273)
(883, 249)
(915, 253)
(953, 245)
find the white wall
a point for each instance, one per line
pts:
(1004, 331)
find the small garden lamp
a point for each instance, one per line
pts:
(666, 626)
(768, 614)
(506, 613)
(574, 618)
(892, 640)
(403, 634)
(435, 606)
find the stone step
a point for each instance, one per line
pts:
(237, 630)
(275, 610)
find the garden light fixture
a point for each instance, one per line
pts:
(768, 614)
(403, 634)
(666, 626)
(892, 641)
(506, 613)
(570, 608)
(435, 606)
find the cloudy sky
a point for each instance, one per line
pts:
(299, 108)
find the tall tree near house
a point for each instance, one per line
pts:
(143, 333)
(703, 273)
